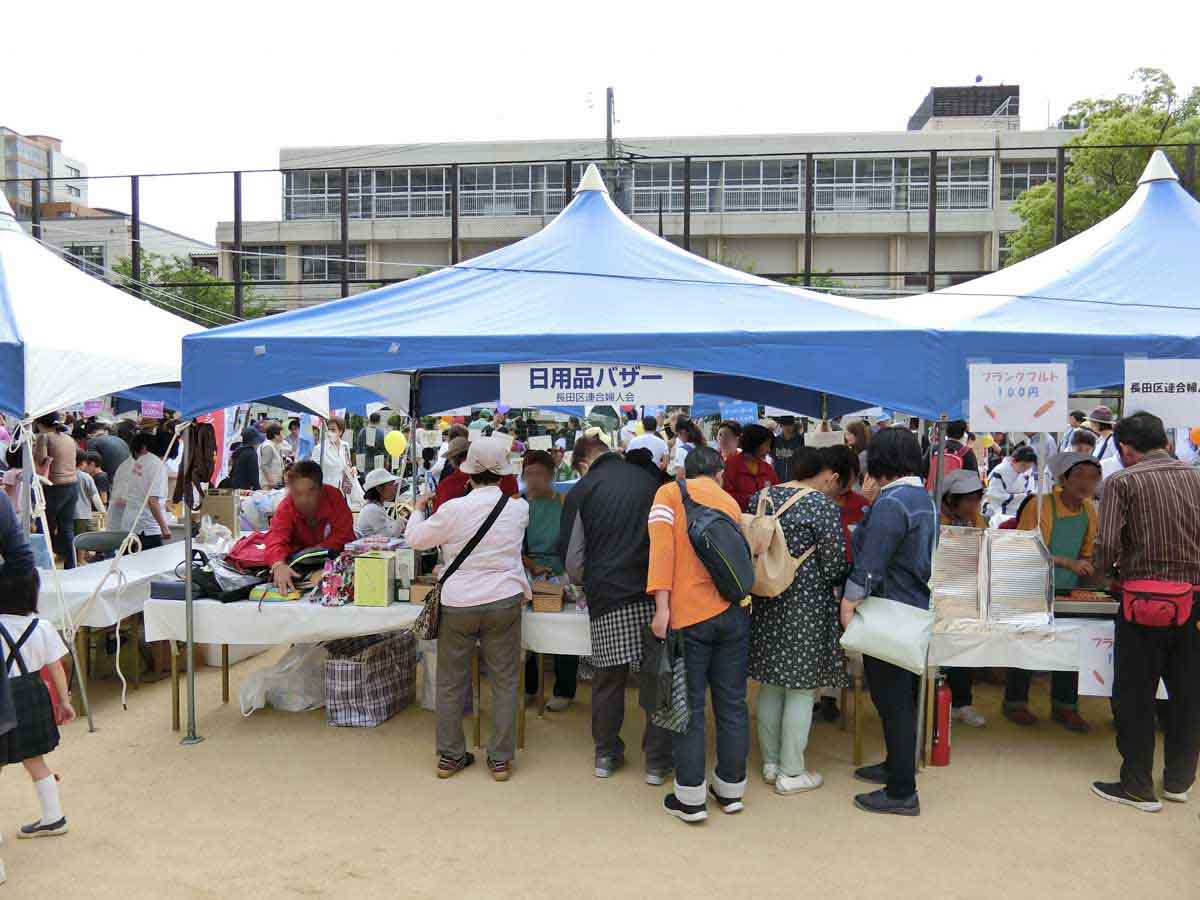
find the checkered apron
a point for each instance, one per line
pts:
(370, 679)
(617, 634)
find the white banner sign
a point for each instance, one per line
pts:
(574, 384)
(1169, 388)
(1096, 660)
(1018, 396)
(428, 438)
(820, 439)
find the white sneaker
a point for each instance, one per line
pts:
(968, 715)
(1181, 797)
(770, 772)
(557, 704)
(798, 784)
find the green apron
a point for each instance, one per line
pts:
(541, 537)
(1066, 540)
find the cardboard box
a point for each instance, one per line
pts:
(420, 589)
(224, 508)
(375, 578)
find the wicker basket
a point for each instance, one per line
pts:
(547, 597)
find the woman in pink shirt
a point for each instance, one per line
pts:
(482, 596)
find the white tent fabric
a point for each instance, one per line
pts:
(66, 336)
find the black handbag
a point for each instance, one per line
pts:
(425, 627)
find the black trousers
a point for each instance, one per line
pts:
(608, 715)
(60, 514)
(1141, 656)
(151, 541)
(566, 672)
(894, 693)
(1064, 689)
(961, 682)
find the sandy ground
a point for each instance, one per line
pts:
(282, 805)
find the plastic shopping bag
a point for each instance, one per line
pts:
(294, 684)
(654, 675)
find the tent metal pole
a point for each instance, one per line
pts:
(413, 393)
(189, 612)
(27, 486)
(939, 459)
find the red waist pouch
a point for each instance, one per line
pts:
(1157, 604)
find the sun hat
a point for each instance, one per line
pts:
(1102, 415)
(377, 478)
(488, 455)
(1063, 463)
(656, 446)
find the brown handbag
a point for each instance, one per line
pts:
(429, 619)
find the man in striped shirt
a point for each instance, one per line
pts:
(1150, 529)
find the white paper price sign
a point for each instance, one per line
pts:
(1169, 388)
(1017, 396)
(1096, 660)
(572, 384)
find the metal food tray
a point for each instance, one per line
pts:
(955, 579)
(1020, 579)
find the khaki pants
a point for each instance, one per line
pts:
(497, 628)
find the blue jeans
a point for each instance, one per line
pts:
(716, 652)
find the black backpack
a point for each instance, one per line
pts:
(721, 546)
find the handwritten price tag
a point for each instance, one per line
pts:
(1018, 397)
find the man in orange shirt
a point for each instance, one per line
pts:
(716, 637)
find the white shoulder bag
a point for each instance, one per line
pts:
(890, 630)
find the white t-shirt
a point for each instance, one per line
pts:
(43, 647)
(135, 479)
(628, 433)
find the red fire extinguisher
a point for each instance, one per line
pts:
(940, 755)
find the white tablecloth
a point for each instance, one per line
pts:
(1055, 649)
(566, 632)
(79, 583)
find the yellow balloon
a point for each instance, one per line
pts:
(395, 443)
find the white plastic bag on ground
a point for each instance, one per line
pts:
(294, 684)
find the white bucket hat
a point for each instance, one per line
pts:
(377, 478)
(488, 455)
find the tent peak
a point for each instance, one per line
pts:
(591, 180)
(1158, 169)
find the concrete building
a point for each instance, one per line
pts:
(39, 156)
(870, 196)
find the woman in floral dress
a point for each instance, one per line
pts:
(794, 649)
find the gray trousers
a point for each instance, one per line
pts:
(497, 628)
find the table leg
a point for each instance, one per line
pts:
(174, 686)
(843, 716)
(475, 691)
(522, 708)
(858, 720)
(224, 673)
(541, 696)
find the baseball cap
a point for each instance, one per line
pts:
(652, 442)
(488, 455)
(963, 481)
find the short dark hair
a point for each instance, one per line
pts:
(373, 418)
(19, 592)
(49, 420)
(1025, 454)
(1084, 436)
(956, 430)
(1078, 415)
(306, 468)
(808, 462)
(630, 415)
(734, 427)
(702, 461)
(88, 456)
(141, 441)
(894, 453)
(650, 424)
(842, 461)
(1142, 431)
(538, 458)
(486, 478)
(753, 437)
(293, 423)
(273, 431)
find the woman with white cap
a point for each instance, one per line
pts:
(380, 487)
(481, 602)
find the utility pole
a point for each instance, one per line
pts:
(609, 117)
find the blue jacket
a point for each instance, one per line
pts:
(893, 547)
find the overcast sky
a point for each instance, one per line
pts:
(164, 87)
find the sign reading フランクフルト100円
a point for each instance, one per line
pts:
(1169, 388)
(574, 384)
(1018, 396)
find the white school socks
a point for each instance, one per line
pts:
(47, 791)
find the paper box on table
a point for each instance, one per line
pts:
(222, 506)
(375, 578)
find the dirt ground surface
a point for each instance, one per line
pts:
(283, 805)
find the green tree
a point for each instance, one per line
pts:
(820, 281)
(1098, 181)
(186, 290)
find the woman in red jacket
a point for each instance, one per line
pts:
(749, 472)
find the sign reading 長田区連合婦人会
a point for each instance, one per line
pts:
(1017, 396)
(574, 384)
(1168, 388)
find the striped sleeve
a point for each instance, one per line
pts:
(662, 521)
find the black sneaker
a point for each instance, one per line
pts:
(657, 776)
(448, 766)
(880, 802)
(606, 766)
(728, 806)
(683, 811)
(1114, 792)
(876, 774)
(829, 709)
(37, 829)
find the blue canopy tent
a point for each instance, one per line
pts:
(590, 287)
(1128, 286)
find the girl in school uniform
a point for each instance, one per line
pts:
(28, 643)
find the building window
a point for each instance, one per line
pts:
(323, 262)
(1018, 176)
(1005, 249)
(263, 262)
(88, 257)
(72, 171)
(73, 191)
